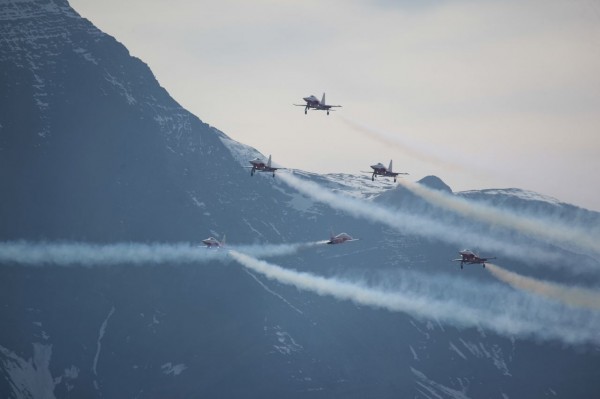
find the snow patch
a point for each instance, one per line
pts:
(198, 203)
(258, 233)
(69, 375)
(99, 344)
(124, 91)
(29, 378)
(435, 389)
(173, 369)
(286, 345)
(359, 186)
(414, 354)
(458, 352)
(493, 353)
(242, 153)
(275, 229)
(300, 202)
(86, 55)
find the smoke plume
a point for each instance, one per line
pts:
(557, 234)
(410, 223)
(84, 254)
(572, 296)
(454, 301)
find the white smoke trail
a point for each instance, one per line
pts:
(273, 250)
(84, 254)
(416, 149)
(557, 234)
(424, 152)
(572, 296)
(459, 303)
(410, 223)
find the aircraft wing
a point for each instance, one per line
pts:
(300, 105)
(457, 260)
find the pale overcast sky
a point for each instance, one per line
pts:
(483, 94)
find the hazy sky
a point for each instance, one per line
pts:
(483, 94)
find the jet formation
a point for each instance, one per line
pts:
(311, 102)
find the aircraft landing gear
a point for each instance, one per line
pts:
(327, 112)
(394, 180)
(461, 265)
(252, 172)
(273, 174)
(305, 110)
(484, 265)
(373, 178)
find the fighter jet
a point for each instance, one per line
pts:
(261, 166)
(380, 170)
(211, 242)
(340, 238)
(470, 258)
(313, 102)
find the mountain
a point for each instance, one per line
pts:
(89, 130)
(93, 150)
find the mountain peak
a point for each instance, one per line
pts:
(19, 9)
(435, 183)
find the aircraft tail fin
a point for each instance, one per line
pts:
(269, 162)
(323, 99)
(390, 167)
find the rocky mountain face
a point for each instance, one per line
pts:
(92, 149)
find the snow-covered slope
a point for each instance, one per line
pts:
(511, 192)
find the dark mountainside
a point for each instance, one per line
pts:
(92, 149)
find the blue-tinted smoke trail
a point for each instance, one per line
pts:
(454, 301)
(557, 234)
(410, 223)
(84, 254)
